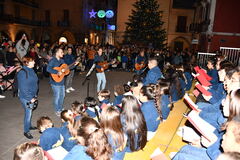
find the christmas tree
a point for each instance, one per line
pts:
(144, 26)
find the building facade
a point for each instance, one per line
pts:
(48, 21)
(177, 16)
(216, 24)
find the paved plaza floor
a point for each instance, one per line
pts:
(11, 112)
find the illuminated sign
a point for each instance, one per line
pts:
(92, 14)
(109, 14)
(101, 14)
(111, 27)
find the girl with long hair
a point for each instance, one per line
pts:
(150, 108)
(111, 124)
(134, 124)
(162, 97)
(176, 90)
(93, 143)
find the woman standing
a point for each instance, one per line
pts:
(27, 86)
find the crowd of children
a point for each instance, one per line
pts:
(109, 129)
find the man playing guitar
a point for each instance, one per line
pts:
(98, 60)
(140, 62)
(58, 86)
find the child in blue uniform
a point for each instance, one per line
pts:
(111, 124)
(93, 143)
(152, 112)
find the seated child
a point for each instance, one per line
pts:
(103, 97)
(51, 136)
(78, 110)
(29, 151)
(91, 107)
(118, 92)
(127, 90)
(93, 143)
(151, 111)
(68, 120)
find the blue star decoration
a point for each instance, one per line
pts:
(92, 14)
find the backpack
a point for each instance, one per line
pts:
(15, 82)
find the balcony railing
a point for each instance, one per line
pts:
(20, 20)
(199, 27)
(181, 29)
(63, 24)
(28, 3)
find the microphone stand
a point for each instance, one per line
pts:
(87, 78)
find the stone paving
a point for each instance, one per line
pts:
(11, 113)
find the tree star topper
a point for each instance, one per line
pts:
(92, 14)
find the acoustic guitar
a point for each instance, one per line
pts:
(65, 67)
(104, 65)
(139, 66)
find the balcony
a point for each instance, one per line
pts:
(199, 27)
(181, 29)
(20, 20)
(63, 24)
(28, 3)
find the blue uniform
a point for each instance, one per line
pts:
(68, 143)
(151, 115)
(214, 74)
(77, 152)
(164, 106)
(189, 80)
(152, 76)
(27, 83)
(49, 138)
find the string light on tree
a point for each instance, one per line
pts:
(145, 25)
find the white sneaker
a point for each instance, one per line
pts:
(71, 89)
(68, 90)
(2, 96)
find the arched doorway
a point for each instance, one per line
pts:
(180, 43)
(69, 36)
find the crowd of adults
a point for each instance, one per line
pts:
(102, 129)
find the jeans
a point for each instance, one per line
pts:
(58, 94)
(124, 65)
(27, 115)
(69, 78)
(101, 81)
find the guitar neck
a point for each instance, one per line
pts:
(70, 65)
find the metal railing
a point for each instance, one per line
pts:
(203, 57)
(231, 54)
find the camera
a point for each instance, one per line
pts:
(32, 105)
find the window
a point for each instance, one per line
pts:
(1, 9)
(33, 15)
(47, 16)
(181, 24)
(17, 11)
(65, 15)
